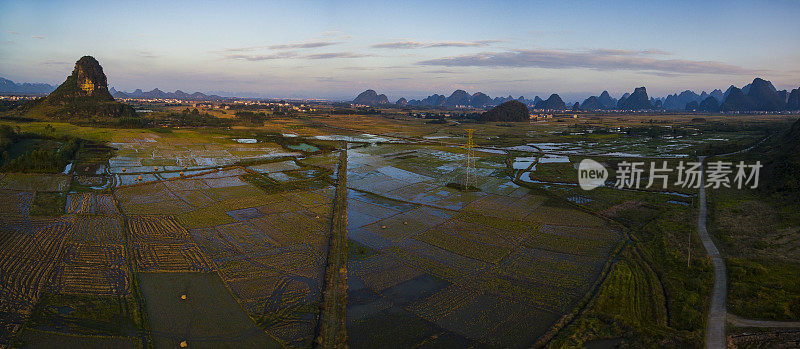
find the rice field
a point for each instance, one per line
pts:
(495, 267)
(486, 268)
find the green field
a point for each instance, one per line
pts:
(44, 339)
(148, 215)
(209, 317)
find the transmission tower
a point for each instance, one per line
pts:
(470, 159)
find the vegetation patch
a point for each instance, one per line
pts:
(208, 315)
(48, 204)
(764, 290)
(86, 314)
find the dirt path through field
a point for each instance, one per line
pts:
(331, 331)
(715, 326)
(739, 322)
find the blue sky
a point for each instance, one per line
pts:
(335, 49)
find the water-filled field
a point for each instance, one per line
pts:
(246, 221)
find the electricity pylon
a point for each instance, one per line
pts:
(470, 160)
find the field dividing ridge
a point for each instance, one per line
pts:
(331, 327)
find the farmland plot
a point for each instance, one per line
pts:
(494, 268)
(93, 269)
(160, 243)
(15, 202)
(31, 250)
(34, 182)
(270, 253)
(207, 317)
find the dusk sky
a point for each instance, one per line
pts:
(336, 49)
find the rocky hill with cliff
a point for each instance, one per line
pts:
(83, 95)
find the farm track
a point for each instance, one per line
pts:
(715, 325)
(718, 316)
(740, 322)
(331, 331)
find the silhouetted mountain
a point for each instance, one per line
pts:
(158, 94)
(727, 92)
(458, 98)
(527, 102)
(553, 102)
(678, 101)
(656, 104)
(709, 105)
(607, 101)
(622, 99)
(736, 100)
(10, 87)
(603, 102)
(513, 110)
(480, 100)
(592, 103)
(764, 96)
(401, 102)
(691, 106)
(784, 95)
(636, 101)
(576, 106)
(746, 88)
(435, 100)
(370, 97)
(793, 102)
(84, 94)
(717, 94)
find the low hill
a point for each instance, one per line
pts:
(508, 111)
(370, 97)
(83, 95)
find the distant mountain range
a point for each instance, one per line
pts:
(459, 98)
(760, 95)
(158, 94)
(10, 87)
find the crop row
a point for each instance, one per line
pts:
(546, 297)
(30, 253)
(550, 268)
(15, 202)
(156, 227)
(443, 302)
(80, 203)
(464, 243)
(163, 256)
(97, 229)
(93, 269)
(570, 244)
(439, 262)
